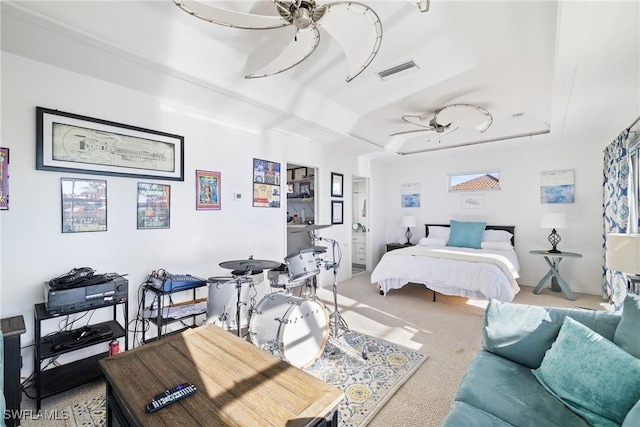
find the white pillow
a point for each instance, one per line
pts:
(439, 232)
(496, 236)
(500, 246)
(432, 241)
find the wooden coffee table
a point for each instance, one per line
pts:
(238, 384)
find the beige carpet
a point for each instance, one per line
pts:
(448, 331)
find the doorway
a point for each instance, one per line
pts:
(300, 206)
(360, 224)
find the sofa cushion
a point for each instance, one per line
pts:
(463, 414)
(627, 336)
(633, 417)
(509, 391)
(523, 333)
(591, 375)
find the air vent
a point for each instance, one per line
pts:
(400, 68)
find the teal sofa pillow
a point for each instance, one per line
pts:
(627, 335)
(523, 333)
(591, 375)
(466, 234)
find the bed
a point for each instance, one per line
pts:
(468, 259)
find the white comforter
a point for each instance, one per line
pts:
(472, 273)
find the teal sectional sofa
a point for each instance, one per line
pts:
(543, 366)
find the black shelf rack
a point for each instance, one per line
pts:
(159, 321)
(70, 375)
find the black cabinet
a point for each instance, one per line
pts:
(12, 328)
(67, 376)
(159, 311)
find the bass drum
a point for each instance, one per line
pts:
(223, 299)
(293, 328)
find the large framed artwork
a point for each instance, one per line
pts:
(475, 181)
(84, 205)
(154, 206)
(72, 143)
(207, 190)
(266, 183)
(4, 178)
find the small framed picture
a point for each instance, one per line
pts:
(207, 190)
(84, 205)
(337, 184)
(337, 211)
(154, 206)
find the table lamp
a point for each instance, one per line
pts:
(623, 252)
(408, 221)
(553, 221)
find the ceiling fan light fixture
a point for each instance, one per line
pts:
(302, 18)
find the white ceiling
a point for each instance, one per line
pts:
(537, 66)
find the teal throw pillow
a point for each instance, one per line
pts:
(591, 375)
(627, 335)
(466, 234)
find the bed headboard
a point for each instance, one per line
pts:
(510, 228)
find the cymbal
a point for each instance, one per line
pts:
(312, 227)
(250, 264)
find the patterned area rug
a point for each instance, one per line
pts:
(89, 413)
(368, 369)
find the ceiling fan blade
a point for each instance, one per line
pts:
(357, 28)
(416, 120)
(465, 115)
(412, 131)
(230, 18)
(299, 49)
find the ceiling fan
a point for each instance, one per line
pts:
(355, 26)
(448, 119)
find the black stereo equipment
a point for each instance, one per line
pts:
(95, 291)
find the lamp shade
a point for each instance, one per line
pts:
(623, 253)
(553, 220)
(408, 221)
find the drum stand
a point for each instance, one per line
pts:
(338, 324)
(239, 279)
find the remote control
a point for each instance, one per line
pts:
(167, 397)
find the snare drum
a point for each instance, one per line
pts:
(302, 264)
(293, 328)
(222, 302)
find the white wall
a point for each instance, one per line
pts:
(33, 249)
(516, 203)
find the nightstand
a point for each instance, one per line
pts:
(394, 246)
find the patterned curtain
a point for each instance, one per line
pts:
(617, 170)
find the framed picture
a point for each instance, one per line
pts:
(207, 190)
(557, 186)
(4, 178)
(84, 205)
(337, 184)
(299, 173)
(73, 143)
(337, 211)
(410, 195)
(266, 183)
(472, 201)
(154, 206)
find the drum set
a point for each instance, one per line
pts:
(295, 328)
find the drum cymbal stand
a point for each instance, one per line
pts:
(240, 276)
(338, 324)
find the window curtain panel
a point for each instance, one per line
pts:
(616, 185)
